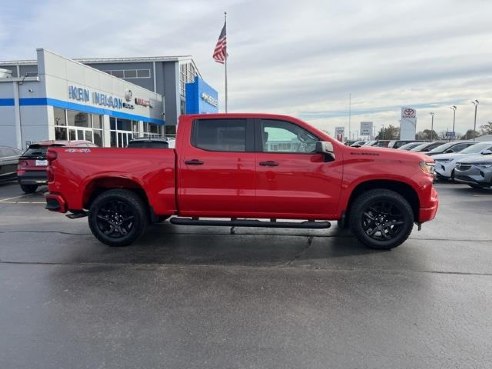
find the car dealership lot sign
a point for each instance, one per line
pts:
(408, 123)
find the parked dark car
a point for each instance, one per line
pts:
(9, 158)
(396, 144)
(427, 146)
(450, 147)
(409, 146)
(159, 143)
(377, 143)
(31, 170)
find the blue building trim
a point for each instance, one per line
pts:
(83, 108)
(6, 102)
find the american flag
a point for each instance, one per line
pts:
(220, 52)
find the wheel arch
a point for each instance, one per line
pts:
(401, 188)
(101, 185)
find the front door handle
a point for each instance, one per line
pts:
(193, 162)
(269, 163)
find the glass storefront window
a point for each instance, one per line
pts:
(77, 119)
(60, 119)
(124, 125)
(98, 138)
(97, 121)
(60, 133)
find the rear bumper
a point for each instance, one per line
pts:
(33, 178)
(56, 202)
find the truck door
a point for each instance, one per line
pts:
(217, 169)
(292, 180)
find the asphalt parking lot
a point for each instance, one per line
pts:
(204, 298)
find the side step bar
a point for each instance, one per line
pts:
(250, 223)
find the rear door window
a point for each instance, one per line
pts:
(220, 134)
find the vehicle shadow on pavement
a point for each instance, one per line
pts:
(169, 244)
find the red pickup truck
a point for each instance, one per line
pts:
(252, 170)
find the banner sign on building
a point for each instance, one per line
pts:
(201, 97)
(408, 123)
(366, 128)
(339, 133)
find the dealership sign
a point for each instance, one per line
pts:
(97, 98)
(366, 128)
(408, 123)
(408, 113)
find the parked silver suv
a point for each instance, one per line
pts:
(475, 171)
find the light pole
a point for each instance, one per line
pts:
(475, 102)
(432, 125)
(454, 120)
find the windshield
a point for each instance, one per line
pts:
(475, 149)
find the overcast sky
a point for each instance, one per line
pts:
(302, 58)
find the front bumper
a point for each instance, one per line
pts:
(430, 210)
(474, 175)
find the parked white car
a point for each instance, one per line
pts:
(446, 163)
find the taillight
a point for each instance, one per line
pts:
(21, 164)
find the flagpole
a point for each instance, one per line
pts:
(225, 63)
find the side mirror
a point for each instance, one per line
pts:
(487, 152)
(325, 147)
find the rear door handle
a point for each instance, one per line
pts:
(269, 163)
(193, 162)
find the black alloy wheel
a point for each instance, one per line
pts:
(118, 217)
(381, 219)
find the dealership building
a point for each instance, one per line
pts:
(106, 100)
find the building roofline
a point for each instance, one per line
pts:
(110, 60)
(148, 59)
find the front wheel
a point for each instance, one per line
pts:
(117, 217)
(381, 219)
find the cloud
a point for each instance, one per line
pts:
(299, 58)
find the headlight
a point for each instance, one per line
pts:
(427, 167)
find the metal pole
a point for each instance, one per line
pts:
(475, 102)
(225, 63)
(454, 120)
(432, 126)
(350, 112)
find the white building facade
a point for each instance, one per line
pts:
(68, 100)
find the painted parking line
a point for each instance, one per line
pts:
(22, 202)
(9, 200)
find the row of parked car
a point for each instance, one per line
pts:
(467, 162)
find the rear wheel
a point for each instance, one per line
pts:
(381, 219)
(29, 188)
(117, 217)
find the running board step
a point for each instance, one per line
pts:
(250, 223)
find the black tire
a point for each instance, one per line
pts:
(29, 188)
(381, 219)
(118, 217)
